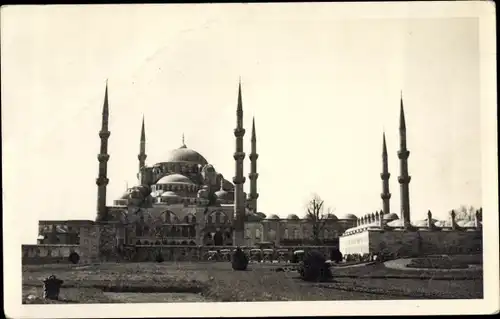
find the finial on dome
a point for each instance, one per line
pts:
(183, 143)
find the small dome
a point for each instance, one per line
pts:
(466, 223)
(262, 215)
(274, 217)
(175, 179)
(349, 216)
(331, 216)
(169, 194)
(423, 222)
(224, 195)
(391, 216)
(293, 216)
(184, 154)
(395, 223)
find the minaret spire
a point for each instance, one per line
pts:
(239, 179)
(404, 178)
(253, 170)
(142, 148)
(385, 175)
(103, 157)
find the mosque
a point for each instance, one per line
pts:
(184, 200)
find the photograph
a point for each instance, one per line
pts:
(249, 159)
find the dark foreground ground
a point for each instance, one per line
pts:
(218, 282)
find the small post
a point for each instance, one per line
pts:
(51, 287)
(453, 221)
(429, 220)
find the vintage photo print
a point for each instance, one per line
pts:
(271, 159)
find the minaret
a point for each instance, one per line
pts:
(404, 178)
(103, 157)
(239, 179)
(385, 175)
(253, 170)
(142, 148)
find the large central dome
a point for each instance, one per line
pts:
(184, 154)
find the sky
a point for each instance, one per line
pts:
(322, 88)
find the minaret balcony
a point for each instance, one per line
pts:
(404, 179)
(239, 156)
(403, 154)
(253, 176)
(239, 132)
(385, 196)
(253, 196)
(102, 181)
(254, 156)
(102, 157)
(385, 176)
(141, 157)
(239, 179)
(104, 134)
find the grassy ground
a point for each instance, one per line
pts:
(446, 262)
(218, 282)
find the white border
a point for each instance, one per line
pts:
(485, 12)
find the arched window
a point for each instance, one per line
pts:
(248, 233)
(286, 233)
(257, 233)
(296, 234)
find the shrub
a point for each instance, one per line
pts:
(314, 267)
(336, 255)
(74, 257)
(239, 260)
(159, 258)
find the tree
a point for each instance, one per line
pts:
(315, 213)
(465, 212)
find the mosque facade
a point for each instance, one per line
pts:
(185, 200)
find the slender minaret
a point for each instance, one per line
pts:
(385, 175)
(253, 170)
(404, 178)
(103, 157)
(142, 148)
(239, 179)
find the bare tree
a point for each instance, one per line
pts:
(315, 213)
(465, 212)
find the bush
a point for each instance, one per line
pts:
(336, 255)
(314, 267)
(239, 260)
(159, 258)
(74, 257)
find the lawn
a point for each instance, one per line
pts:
(446, 262)
(218, 282)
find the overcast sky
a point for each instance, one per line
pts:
(322, 88)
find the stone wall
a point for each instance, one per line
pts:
(48, 254)
(405, 243)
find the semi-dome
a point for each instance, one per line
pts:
(349, 216)
(391, 216)
(331, 216)
(175, 179)
(273, 216)
(292, 216)
(184, 154)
